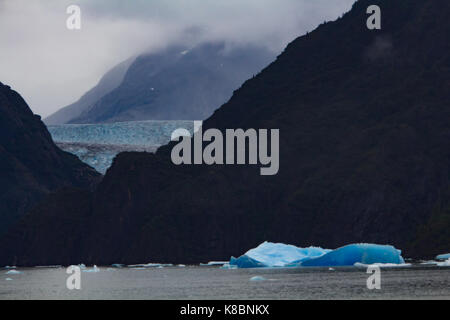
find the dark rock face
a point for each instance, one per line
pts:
(31, 166)
(364, 157)
(178, 84)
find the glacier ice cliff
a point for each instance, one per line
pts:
(98, 144)
(281, 255)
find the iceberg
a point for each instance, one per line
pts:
(367, 254)
(446, 263)
(149, 265)
(14, 272)
(245, 262)
(383, 265)
(257, 278)
(443, 256)
(213, 263)
(228, 266)
(95, 269)
(270, 255)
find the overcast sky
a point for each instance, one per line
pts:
(51, 66)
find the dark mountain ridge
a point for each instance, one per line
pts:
(31, 164)
(364, 123)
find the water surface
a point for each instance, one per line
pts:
(193, 282)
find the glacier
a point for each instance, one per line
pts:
(269, 255)
(98, 144)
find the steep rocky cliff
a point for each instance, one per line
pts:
(31, 166)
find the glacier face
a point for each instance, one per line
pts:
(101, 156)
(98, 144)
(281, 255)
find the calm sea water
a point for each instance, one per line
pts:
(417, 282)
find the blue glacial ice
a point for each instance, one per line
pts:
(13, 272)
(357, 253)
(94, 269)
(275, 255)
(135, 133)
(98, 144)
(257, 278)
(443, 256)
(281, 255)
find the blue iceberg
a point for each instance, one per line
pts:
(257, 278)
(357, 253)
(443, 256)
(276, 255)
(246, 262)
(269, 255)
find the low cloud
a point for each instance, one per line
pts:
(52, 66)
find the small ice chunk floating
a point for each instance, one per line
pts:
(269, 255)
